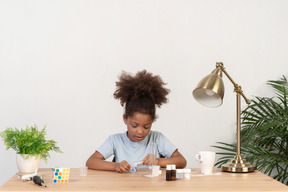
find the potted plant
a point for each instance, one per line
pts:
(30, 145)
(264, 134)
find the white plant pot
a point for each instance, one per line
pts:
(28, 165)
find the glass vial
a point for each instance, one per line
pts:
(168, 172)
(173, 172)
(187, 174)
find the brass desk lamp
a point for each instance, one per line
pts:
(210, 92)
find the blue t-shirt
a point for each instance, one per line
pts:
(133, 152)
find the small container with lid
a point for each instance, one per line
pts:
(134, 168)
(173, 172)
(187, 174)
(179, 174)
(168, 172)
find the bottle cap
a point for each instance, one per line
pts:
(187, 170)
(168, 167)
(173, 167)
(179, 170)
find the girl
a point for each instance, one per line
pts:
(140, 94)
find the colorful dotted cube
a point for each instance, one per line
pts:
(61, 175)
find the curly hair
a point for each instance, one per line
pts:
(141, 93)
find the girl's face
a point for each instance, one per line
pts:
(138, 125)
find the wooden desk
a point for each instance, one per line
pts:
(104, 181)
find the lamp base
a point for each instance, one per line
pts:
(238, 165)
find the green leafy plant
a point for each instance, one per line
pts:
(264, 134)
(29, 141)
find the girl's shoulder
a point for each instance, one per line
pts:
(117, 135)
(155, 134)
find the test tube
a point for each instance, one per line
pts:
(152, 153)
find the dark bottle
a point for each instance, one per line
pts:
(168, 172)
(173, 172)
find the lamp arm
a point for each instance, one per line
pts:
(237, 88)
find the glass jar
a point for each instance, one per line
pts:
(187, 174)
(179, 174)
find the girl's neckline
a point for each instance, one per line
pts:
(136, 143)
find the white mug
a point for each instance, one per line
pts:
(206, 159)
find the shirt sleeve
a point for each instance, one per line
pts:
(165, 147)
(106, 149)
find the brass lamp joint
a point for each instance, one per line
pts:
(220, 65)
(238, 89)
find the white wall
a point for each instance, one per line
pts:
(59, 60)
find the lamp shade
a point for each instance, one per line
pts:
(210, 90)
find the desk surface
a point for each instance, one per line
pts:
(105, 181)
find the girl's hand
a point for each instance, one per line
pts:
(123, 166)
(150, 160)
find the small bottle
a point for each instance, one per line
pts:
(179, 174)
(173, 172)
(134, 168)
(187, 174)
(168, 172)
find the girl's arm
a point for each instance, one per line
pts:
(176, 159)
(96, 161)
